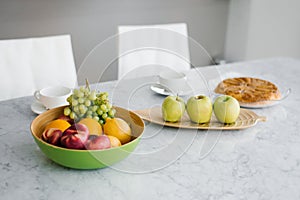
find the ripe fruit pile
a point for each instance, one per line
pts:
(87, 133)
(199, 109)
(89, 122)
(85, 103)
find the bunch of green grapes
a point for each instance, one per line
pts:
(85, 103)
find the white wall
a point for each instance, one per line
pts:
(91, 22)
(263, 28)
(237, 30)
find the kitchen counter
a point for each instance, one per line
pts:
(261, 162)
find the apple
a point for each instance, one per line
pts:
(173, 108)
(226, 109)
(98, 142)
(75, 136)
(199, 109)
(52, 136)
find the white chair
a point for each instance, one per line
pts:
(34, 63)
(146, 50)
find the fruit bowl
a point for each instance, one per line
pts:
(86, 159)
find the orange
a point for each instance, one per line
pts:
(119, 128)
(59, 124)
(115, 142)
(93, 126)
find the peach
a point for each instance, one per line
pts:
(75, 136)
(91, 137)
(98, 142)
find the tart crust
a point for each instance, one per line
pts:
(249, 90)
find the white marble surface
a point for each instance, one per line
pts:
(262, 162)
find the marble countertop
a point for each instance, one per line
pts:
(262, 162)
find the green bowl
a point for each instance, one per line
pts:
(86, 159)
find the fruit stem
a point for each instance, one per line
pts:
(87, 85)
(226, 99)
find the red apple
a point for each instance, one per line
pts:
(75, 136)
(52, 136)
(98, 142)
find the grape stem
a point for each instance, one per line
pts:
(87, 85)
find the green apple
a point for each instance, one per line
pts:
(173, 108)
(199, 109)
(226, 109)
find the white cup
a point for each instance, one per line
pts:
(52, 97)
(173, 81)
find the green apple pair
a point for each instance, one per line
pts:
(199, 109)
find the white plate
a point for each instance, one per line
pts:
(38, 108)
(255, 105)
(159, 89)
(265, 104)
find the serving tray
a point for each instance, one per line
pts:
(246, 119)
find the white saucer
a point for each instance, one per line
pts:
(38, 108)
(160, 89)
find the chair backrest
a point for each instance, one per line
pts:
(34, 63)
(144, 50)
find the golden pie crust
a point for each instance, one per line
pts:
(249, 90)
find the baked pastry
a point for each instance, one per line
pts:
(249, 90)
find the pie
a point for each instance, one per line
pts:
(249, 90)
